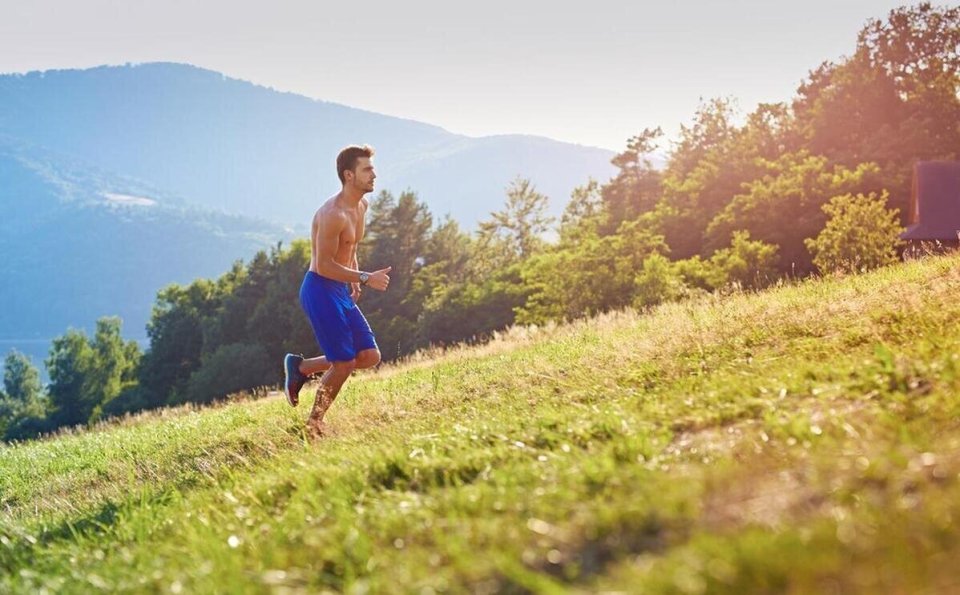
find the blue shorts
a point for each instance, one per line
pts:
(340, 327)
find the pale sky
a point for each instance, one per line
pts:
(594, 74)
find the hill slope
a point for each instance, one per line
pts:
(81, 242)
(803, 439)
(228, 144)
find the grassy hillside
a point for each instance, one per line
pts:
(804, 439)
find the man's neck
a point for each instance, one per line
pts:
(349, 197)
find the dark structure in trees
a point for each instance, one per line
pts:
(934, 213)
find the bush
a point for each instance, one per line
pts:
(657, 282)
(861, 234)
(131, 400)
(748, 263)
(28, 427)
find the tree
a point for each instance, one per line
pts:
(861, 234)
(593, 274)
(783, 207)
(176, 334)
(69, 365)
(229, 369)
(115, 364)
(22, 402)
(894, 101)
(21, 380)
(522, 222)
(637, 187)
(709, 165)
(398, 236)
(278, 322)
(86, 374)
(584, 214)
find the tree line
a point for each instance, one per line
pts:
(816, 184)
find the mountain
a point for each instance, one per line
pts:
(241, 148)
(80, 242)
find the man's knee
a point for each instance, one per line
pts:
(368, 358)
(344, 367)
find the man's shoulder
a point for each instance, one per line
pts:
(330, 212)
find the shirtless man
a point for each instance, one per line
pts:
(332, 287)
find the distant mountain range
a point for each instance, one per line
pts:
(115, 181)
(231, 145)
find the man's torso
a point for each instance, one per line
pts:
(347, 223)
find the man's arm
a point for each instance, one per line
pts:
(355, 287)
(361, 228)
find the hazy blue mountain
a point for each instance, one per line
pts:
(231, 145)
(79, 242)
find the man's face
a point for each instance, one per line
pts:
(363, 175)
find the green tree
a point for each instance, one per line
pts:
(637, 187)
(115, 364)
(861, 234)
(21, 380)
(783, 207)
(472, 311)
(398, 235)
(70, 365)
(710, 164)
(22, 402)
(176, 331)
(584, 214)
(86, 374)
(230, 369)
(522, 222)
(587, 275)
(278, 322)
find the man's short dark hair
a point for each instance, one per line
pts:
(347, 159)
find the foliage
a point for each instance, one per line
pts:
(473, 310)
(747, 263)
(398, 236)
(656, 282)
(861, 234)
(587, 274)
(176, 334)
(86, 374)
(637, 186)
(519, 227)
(229, 369)
(22, 397)
(21, 380)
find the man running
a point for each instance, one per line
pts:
(332, 287)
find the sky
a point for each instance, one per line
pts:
(594, 74)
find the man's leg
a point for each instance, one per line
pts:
(330, 385)
(314, 365)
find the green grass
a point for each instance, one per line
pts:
(803, 439)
